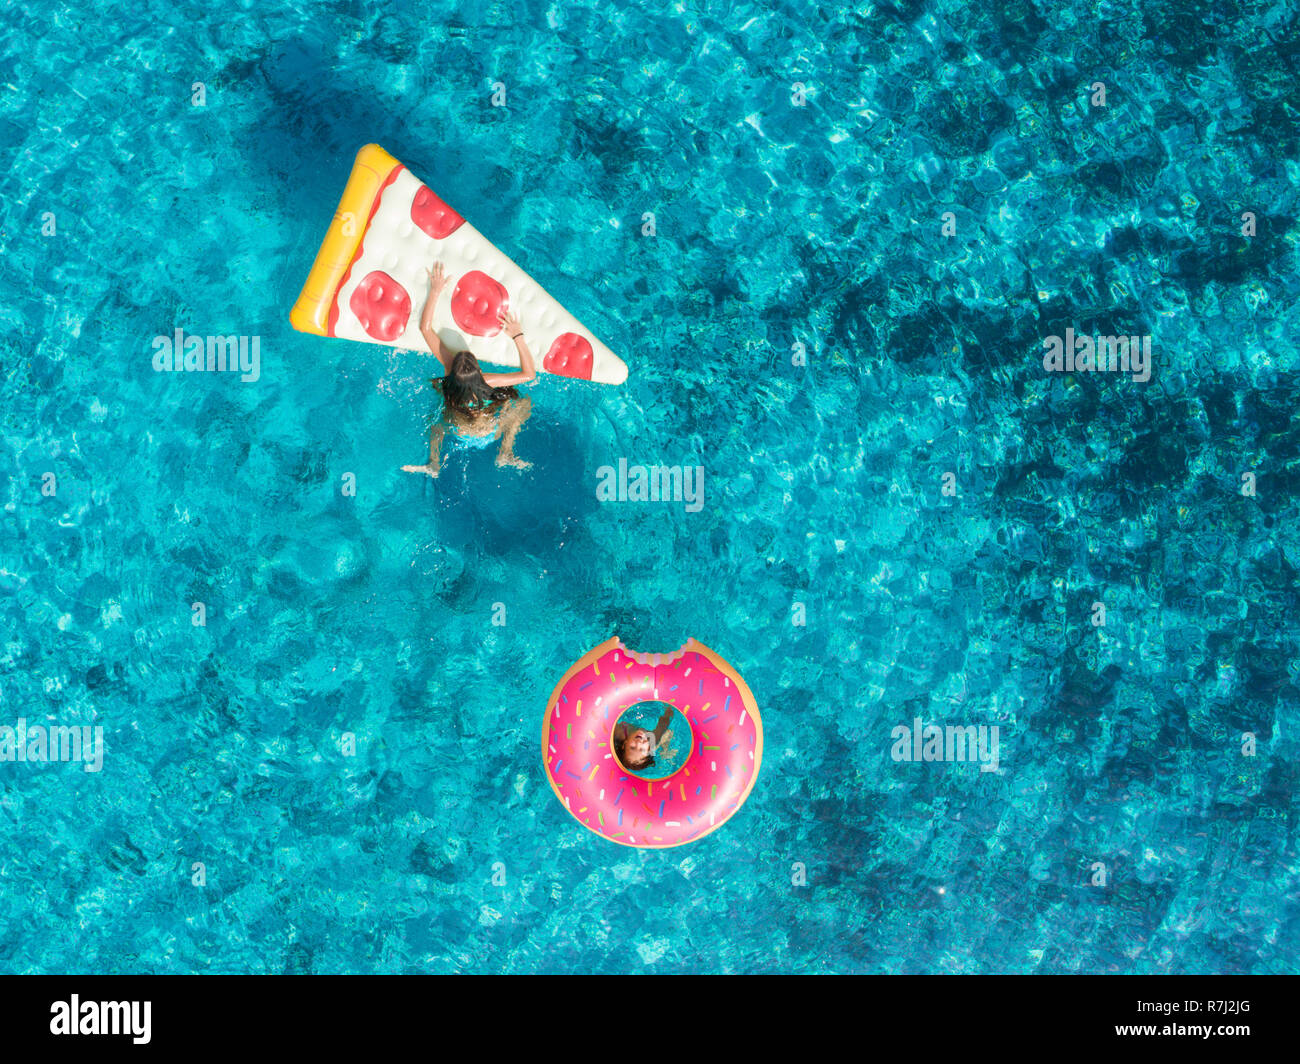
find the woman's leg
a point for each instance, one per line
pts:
(435, 457)
(517, 411)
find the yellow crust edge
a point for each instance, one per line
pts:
(746, 696)
(310, 314)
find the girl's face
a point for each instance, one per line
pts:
(636, 748)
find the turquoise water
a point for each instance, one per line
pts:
(1123, 829)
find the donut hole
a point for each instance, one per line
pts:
(668, 754)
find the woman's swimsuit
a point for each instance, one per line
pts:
(474, 442)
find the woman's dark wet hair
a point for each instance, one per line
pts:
(464, 389)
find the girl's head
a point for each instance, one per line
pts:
(638, 749)
(465, 390)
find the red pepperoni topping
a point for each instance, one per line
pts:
(476, 302)
(434, 216)
(570, 356)
(381, 305)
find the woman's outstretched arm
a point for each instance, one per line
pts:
(437, 282)
(527, 371)
(662, 726)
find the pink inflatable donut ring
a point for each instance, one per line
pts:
(702, 794)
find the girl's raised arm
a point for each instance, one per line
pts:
(437, 282)
(527, 371)
(662, 726)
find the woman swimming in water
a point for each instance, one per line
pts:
(478, 407)
(636, 747)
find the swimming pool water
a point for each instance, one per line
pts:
(905, 517)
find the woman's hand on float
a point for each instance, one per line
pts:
(527, 370)
(510, 323)
(437, 278)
